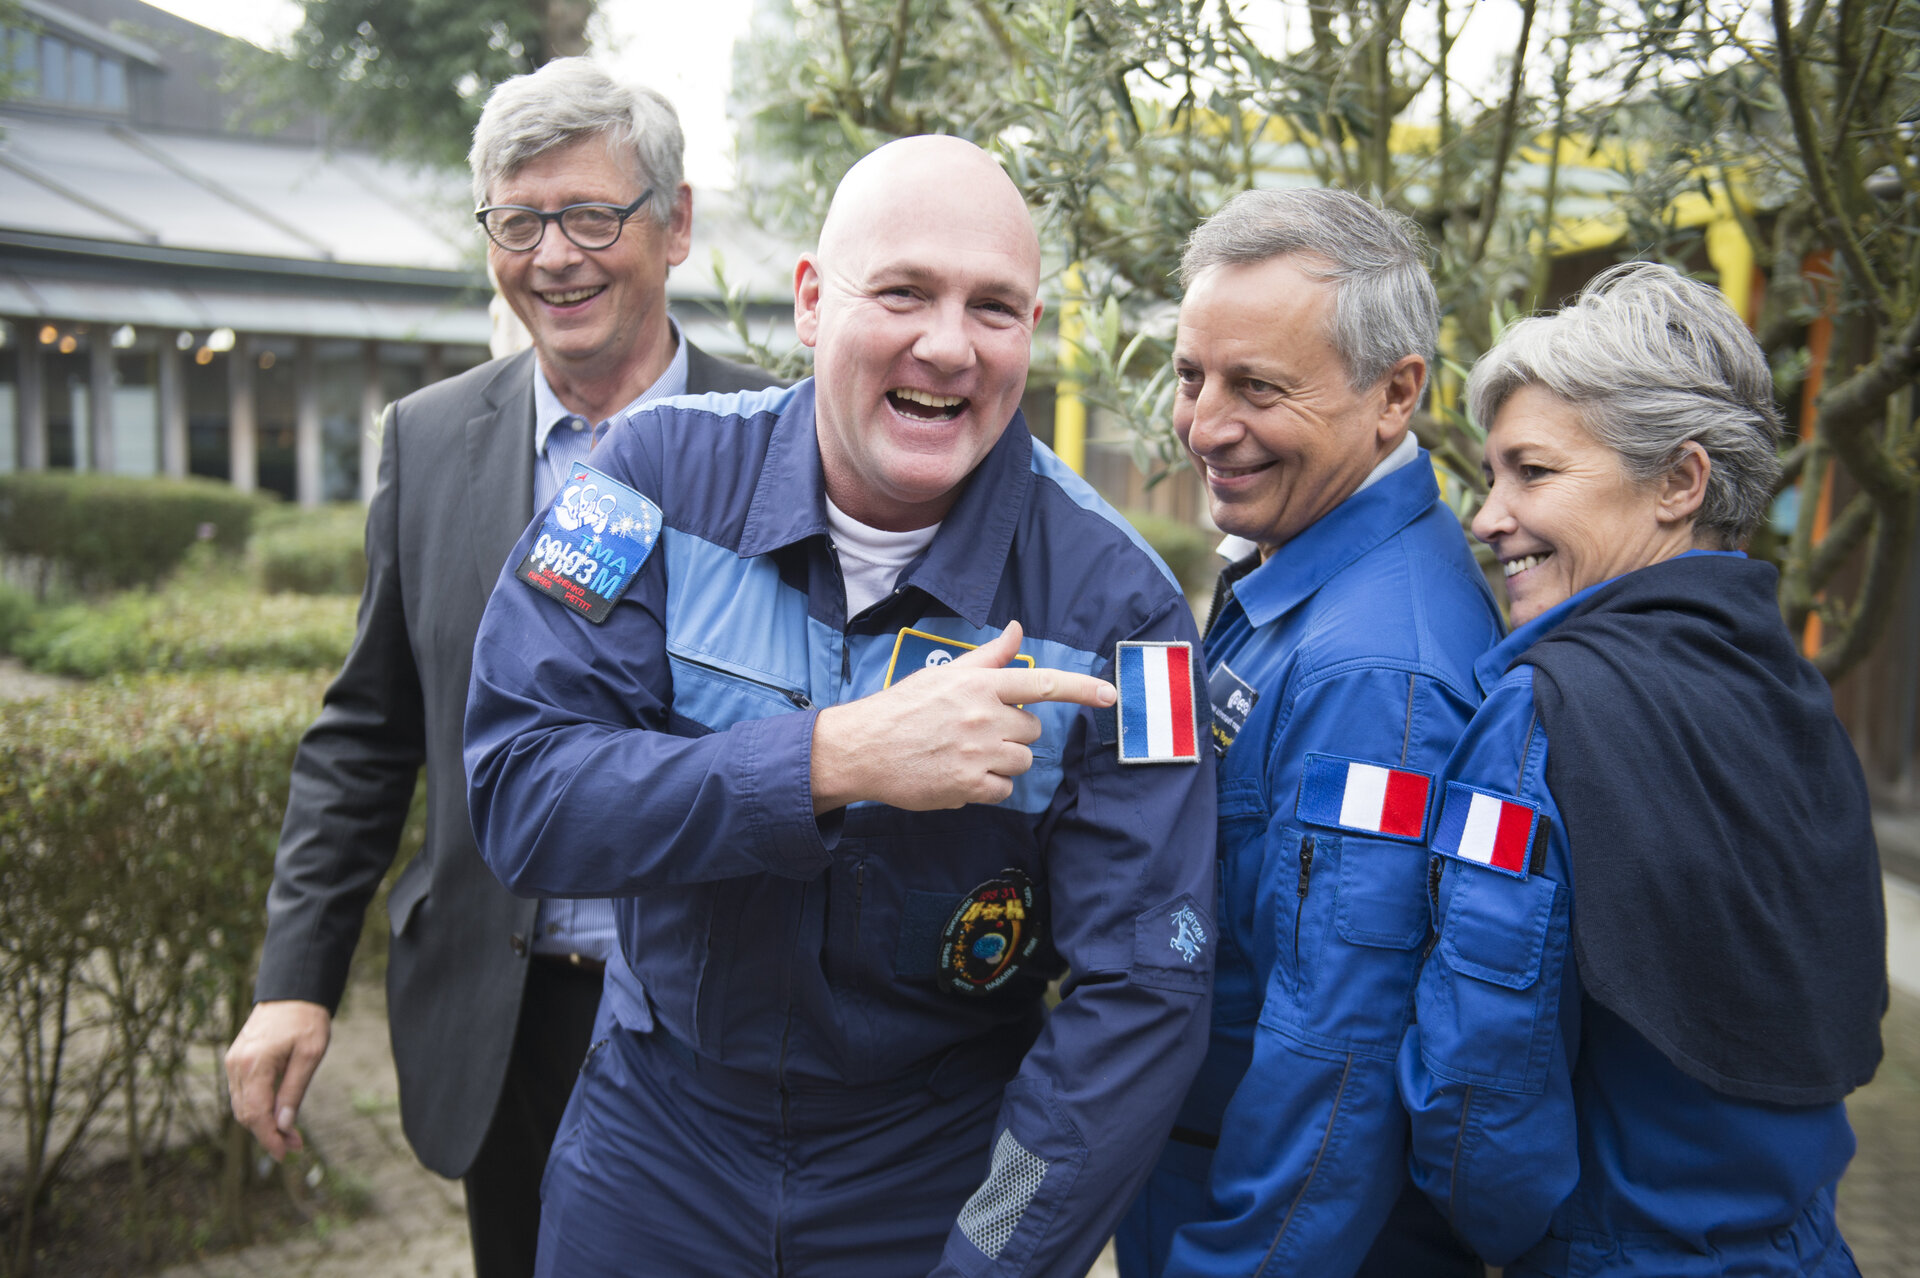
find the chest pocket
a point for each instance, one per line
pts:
(1350, 915)
(715, 694)
(1487, 1016)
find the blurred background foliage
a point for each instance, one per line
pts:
(1127, 121)
(140, 804)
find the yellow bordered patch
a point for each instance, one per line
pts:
(917, 650)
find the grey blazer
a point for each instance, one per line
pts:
(455, 492)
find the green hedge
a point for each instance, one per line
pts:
(1187, 550)
(312, 552)
(193, 625)
(138, 821)
(16, 615)
(117, 531)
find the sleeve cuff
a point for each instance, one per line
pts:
(777, 764)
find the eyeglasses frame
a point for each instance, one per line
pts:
(480, 216)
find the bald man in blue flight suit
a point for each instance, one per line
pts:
(814, 682)
(1340, 655)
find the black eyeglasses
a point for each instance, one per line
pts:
(519, 229)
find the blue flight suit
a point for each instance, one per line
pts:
(785, 1086)
(1354, 642)
(1557, 1139)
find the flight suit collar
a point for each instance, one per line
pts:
(963, 566)
(1356, 526)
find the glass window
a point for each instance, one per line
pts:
(25, 61)
(208, 411)
(113, 84)
(53, 69)
(136, 407)
(82, 87)
(10, 336)
(275, 370)
(341, 368)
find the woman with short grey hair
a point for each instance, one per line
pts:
(1648, 1079)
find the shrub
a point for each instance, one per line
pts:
(138, 821)
(312, 552)
(16, 614)
(117, 531)
(1187, 550)
(190, 626)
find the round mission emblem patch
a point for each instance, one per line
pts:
(989, 935)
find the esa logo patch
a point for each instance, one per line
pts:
(917, 650)
(1233, 700)
(597, 534)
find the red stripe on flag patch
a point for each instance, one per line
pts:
(1405, 811)
(1511, 839)
(1180, 693)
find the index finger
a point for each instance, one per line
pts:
(1016, 687)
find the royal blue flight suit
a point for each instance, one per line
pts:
(1557, 1139)
(784, 1085)
(1354, 643)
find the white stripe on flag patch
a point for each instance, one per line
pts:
(1159, 723)
(1365, 796)
(1482, 829)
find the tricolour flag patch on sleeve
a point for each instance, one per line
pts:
(1156, 702)
(1370, 798)
(1488, 829)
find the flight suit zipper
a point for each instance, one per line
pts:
(1433, 900)
(793, 695)
(1300, 905)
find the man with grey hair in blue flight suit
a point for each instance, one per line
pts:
(1340, 655)
(815, 681)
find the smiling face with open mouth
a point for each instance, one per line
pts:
(590, 311)
(920, 306)
(1562, 513)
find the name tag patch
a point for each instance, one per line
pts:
(1367, 798)
(1487, 829)
(917, 650)
(1155, 711)
(597, 534)
(1233, 700)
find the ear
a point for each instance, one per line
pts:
(1684, 487)
(680, 226)
(806, 299)
(1402, 387)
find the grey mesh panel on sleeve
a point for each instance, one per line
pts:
(993, 1213)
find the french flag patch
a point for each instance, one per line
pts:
(1156, 716)
(1370, 798)
(1487, 829)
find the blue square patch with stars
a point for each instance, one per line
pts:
(597, 534)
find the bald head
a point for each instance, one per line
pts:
(920, 304)
(912, 183)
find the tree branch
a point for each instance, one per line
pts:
(1849, 411)
(1844, 535)
(1503, 147)
(1813, 159)
(895, 50)
(1879, 590)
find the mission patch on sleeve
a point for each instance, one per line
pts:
(597, 534)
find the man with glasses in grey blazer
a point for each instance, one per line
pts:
(490, 998)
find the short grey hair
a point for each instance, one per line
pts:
(1651, 360)
(1384, 306)
(565, 101)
